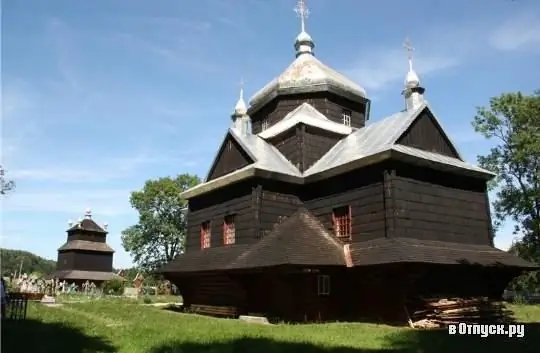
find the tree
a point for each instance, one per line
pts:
(5, 185)
(160, 233)
(513, 122)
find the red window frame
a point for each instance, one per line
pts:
(342, 222)
(229, 230)
(205, 235)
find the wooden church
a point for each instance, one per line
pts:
(311, 213)
(85, 256)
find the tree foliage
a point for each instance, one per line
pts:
(5, 184)
(160, 233)
(31, 263)
(513, 121)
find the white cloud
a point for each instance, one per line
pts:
(521, 32)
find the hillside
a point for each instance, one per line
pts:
(31, 263)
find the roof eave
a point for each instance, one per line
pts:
(237, 176)
(349, 166)
(259, 101)
(441, 166)
(217, 183)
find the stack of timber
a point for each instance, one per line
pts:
(436, 312)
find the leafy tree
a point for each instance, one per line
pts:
(5, 185)
(160, 233)
(512, 120)
(31, 263)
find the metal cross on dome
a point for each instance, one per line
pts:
(408, 46)
(241, 85)
(302, 11)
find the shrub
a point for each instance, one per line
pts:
(114, 286)
(147, 300)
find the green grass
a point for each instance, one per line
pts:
(78, 297)
(119, 326)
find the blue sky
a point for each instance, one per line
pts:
(99, 96)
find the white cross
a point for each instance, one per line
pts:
(302, 11)
(408, 46)
(242, 82)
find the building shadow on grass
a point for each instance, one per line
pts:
(406, 341)
(33, 336)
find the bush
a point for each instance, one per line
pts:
(114, 287)
(147, 300)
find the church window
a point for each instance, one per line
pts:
(323, 285)
(346, 116)
(342, 222)
(229, 145)
(205, 235)
(229, 230)
(264, 124)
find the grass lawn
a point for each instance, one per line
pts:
(119, 326)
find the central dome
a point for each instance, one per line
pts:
(306, 74)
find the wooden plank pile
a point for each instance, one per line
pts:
(436, 312)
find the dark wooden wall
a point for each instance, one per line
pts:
(95, 237)
(277, 202)
(214, 289)
(236, 199)
(289, 145)
(438, 206)
(304, 145)
(315, 145)
(230, 158)
(362, 190)
(327, 103)
(66, 261)
(85, 261)
(426, 134)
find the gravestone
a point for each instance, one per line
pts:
(131, 292)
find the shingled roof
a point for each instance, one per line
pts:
(84, 275)
(87, 224)
(300, 240)
(211, 259)
(370, 144)
(396, 250)
(86, 245)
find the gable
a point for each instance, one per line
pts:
(316, 143)
(426, 134)
(231, 156)
(289, 144)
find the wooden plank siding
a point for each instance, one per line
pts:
(85, 261)
(435, 212)
(362, 191)
(304, 145)
(231, 157)
(427, 135)
(327, 103)
(316, 143)
(290, 144)
(278, 201)
(216, 289)
(236, 199)
(94, 237)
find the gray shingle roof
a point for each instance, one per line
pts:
(379, 137)
(371, 140)
(395, 250)
(306, 114)
(306, 73)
